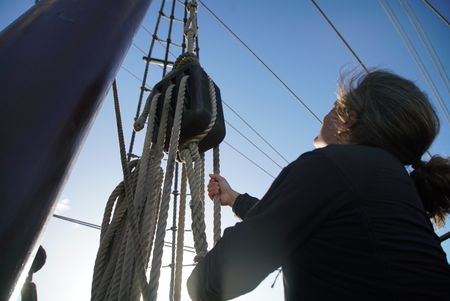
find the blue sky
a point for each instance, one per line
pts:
(294, 40)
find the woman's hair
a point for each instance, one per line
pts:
(394, 114)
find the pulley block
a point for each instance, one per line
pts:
(198, 110)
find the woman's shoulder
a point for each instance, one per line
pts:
(352, 159)
(363, 154)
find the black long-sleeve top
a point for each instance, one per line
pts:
(345, 223)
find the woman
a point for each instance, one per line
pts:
(345, 221)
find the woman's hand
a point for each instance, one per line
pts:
(218, 186)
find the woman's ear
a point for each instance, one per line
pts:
(350, 122)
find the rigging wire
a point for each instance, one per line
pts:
(250, 160)
(251, 142)
(340, 36)
(282, 82)
(98, 227)
(437, 13)
(139, 48)
(237, 114)
(255, 131)
(76, 221)
(387, 8)
(134, 75)
(426, 42)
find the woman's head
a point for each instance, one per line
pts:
(392, 113)
(385, 110)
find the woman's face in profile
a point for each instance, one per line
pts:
(329, 132)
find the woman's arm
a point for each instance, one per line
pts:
(241, 203)
(297, 202)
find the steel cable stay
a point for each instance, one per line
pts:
(252, 143)
(436, 12)
(427, 43)
(407, 42)
(266, 66)
(340, 36)
(98, 227)
(354, 53)
(248, 159)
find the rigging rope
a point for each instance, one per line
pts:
(135, 219)
(180, 237)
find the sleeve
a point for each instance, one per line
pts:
(243, 204)
(299, 200)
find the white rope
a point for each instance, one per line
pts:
(164, 208)
(124, 242)
(116, 230)
(180, 237)
(135, 219)
(216, 209)
(191, 160)
(190, 29)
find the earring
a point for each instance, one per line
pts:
(339, 132)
